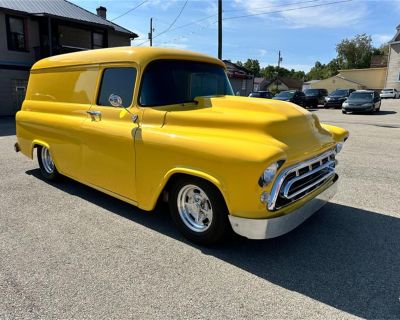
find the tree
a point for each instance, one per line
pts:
(383, 50)
(253, 66)
(239, 63)
(356, 52)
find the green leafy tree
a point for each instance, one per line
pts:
(253, 66)
(383, 50)
(356, 52)
(271, 72)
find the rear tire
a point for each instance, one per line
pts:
(199, 211)
(46, 164)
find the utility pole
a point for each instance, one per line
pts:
(151, 32)
(277, 71)
(220, 29)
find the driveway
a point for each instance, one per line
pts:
(68, 251)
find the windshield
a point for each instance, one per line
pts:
(339, 93)
(167, 82)
(387, 90)
(285, 94)
(361, 96)
(311, 92)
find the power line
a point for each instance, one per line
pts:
(248, 15)
(268, 7)
(215, 14)
(286, 10)
(170, 26)
(130, 10)
(173, 22)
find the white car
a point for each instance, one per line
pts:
(389, 93)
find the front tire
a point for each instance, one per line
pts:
(199, 211)
(46, 164)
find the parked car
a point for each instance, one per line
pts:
(315, 97)
(362, 101)
(294, 96)
(389, 93)
(337, 97)
(261, 94)
(151, 124)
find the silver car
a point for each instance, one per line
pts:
(389, 93)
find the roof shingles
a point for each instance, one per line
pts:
(62, 9)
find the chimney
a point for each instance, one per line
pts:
(102, 12)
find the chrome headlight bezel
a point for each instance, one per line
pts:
(338, 147)
(269, 173)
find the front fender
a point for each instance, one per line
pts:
(229, 164)
(38, 142)
(338, 134)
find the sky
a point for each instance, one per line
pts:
(305, 31)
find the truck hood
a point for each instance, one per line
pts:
(284, 125)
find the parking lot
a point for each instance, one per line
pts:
(68, 251)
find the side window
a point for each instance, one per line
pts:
(16, 37)
(97, 40)
(116, 89)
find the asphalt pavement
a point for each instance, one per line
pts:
(68, 251)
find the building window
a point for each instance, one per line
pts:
(117, 87)
(16, 35)
(97, 40)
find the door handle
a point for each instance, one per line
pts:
(94, 114)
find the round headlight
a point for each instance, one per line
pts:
(268, 174)
(338, 147)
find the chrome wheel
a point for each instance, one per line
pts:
(47, 161)
(194, 208)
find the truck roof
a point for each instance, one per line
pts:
(141, 56)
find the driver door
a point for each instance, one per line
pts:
(109, 133)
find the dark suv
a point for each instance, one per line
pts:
(337, 97)
(294, 96)
(315, 97)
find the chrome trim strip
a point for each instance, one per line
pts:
(330, 164)
(309, 186)
(282, 176)
(275, 227)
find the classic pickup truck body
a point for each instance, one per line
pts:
(137, 152)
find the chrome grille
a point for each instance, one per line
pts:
(296, 182)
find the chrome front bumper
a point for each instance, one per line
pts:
(275, 227)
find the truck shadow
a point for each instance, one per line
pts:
(345, 257)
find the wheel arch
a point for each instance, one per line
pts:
(38, 143)
(176, 173)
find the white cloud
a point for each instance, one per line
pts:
(161, 4)
(379, 39)
(327, 16)
(262, 52)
